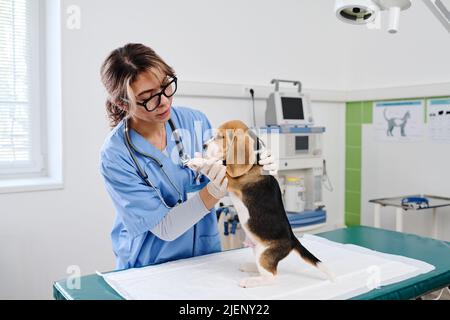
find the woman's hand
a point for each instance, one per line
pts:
(218, 184)
(216, 189)
(267, 160)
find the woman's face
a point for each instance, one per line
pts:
(146, 85)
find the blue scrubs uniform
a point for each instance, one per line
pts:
(138, 207)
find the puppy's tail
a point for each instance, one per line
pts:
(311, 259)
(304, 253)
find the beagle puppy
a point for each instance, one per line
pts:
(258, 202)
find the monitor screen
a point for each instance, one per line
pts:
(292, 108)
(301, 143)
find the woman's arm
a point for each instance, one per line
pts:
(181, 218)
(140, 208)
(208, 200)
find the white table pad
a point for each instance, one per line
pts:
(216, 277)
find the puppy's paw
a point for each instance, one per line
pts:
(248, 267)
(252, 282)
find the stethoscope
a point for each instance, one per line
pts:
(144, 176)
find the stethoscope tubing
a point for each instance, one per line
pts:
(132, 149)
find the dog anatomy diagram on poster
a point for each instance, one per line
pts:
(399, 121)
(438, 114)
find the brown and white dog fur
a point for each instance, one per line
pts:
(258, 202)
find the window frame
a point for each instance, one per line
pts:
(35, 166)
(46, 169)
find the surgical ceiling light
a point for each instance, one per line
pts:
(356, 12)
(362, 12)
(365, 11)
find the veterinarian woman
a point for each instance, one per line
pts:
(143, 164)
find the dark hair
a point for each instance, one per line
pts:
(121, 69)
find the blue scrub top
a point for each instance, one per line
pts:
(138, 207)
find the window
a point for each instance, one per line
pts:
(20, 89)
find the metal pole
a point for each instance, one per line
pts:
(435, 224)
(399, 220)
(376, 215)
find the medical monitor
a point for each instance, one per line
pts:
(288, 109)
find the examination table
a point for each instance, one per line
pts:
(434, 252)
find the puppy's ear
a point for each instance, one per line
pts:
(240, 154)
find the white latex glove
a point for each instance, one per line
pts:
(268, 162)
(218, 184)
(216, 173)
(197, 163)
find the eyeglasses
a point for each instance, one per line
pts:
(152, 103)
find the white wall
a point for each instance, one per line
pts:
(418, 54)
(42, 233)
(399, 169)
(223, 41)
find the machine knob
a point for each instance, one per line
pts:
(285, 164)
